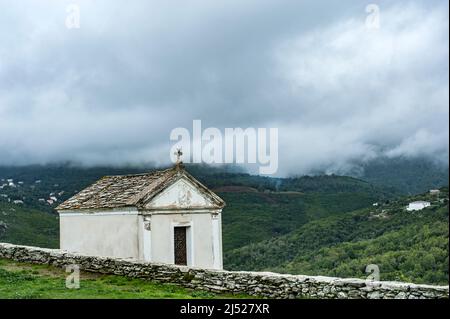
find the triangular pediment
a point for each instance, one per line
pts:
(182, 194)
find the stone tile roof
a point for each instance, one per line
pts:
(129, 190)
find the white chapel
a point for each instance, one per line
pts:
(163, 216)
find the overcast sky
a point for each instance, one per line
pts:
(111, 91)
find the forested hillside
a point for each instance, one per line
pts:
(250, 217)
(407, 246)
(323, 224)
(406, 175)
(27, 226)
(258, 208)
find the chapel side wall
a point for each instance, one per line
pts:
(100, 234)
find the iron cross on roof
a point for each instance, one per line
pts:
(178, 154)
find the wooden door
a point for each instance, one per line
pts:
(180, 249)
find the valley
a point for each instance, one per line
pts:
(316, 225)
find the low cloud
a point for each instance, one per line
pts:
(110, 92)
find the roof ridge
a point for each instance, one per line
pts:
(142, 174)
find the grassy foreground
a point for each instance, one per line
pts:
(30, 281)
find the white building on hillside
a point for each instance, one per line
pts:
(435, 191)
(417, 205)
(163, 216)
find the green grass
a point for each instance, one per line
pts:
(30, 281)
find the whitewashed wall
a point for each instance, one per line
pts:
(109, 234)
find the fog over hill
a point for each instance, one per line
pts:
(111, 91)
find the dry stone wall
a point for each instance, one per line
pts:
(262, 284)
